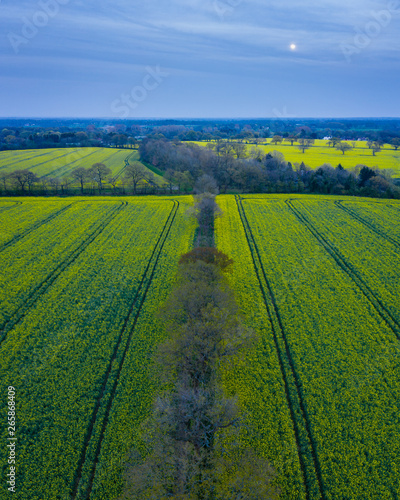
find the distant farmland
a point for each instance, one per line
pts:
(47, 163)
(60, 162)
(321, 153)
(317, 277)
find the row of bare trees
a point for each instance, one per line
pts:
(193, 434)
(98, 176)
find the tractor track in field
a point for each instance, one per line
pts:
(15, 204)
(306, 447)
(27, 159)
(47, 161)
(53, 172)
(108, 381)
(126, 160)
(36, 226)
(366, 223)
(330, 248)
(42, 287)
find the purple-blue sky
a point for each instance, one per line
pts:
(199, 58)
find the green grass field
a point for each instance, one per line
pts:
(46, 163)
(317, 277)
(320, 153)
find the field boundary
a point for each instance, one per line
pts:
(40, 289)
(330, 248)
(139, 299)
(306, 447)
(366, 223)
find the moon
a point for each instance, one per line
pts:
(293, 46)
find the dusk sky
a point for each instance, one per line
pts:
(200, 58)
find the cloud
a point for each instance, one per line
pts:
(95, 42)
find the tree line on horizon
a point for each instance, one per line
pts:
(58, 133)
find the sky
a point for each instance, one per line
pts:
(126, 59)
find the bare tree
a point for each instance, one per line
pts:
(99, 173)
(54, 183)
(291, 138)
(169, 176)
(135, 172)
(376, 147)
(239, 149)
(333, 141)
(395, 143)
(113, 180)
(31, 179)
(206, 184)
(305, 143)
(65, 183)
(44, 181)
(81, 175)
(186, 459)
(4, 178)
(22, 178)
(256, 153)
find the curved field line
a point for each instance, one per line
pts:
(19, 237)
(139, 297)
(368, 224)
(383, 312)
(42, 287)
(292, 384)
(126, 160)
